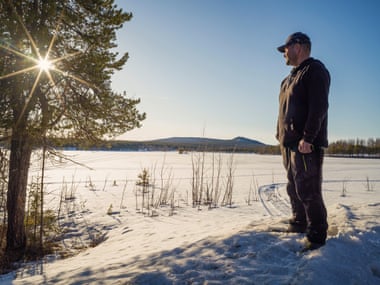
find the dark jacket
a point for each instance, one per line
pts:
(303, 105)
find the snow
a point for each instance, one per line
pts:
(182, 244)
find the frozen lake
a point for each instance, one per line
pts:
(105, 168)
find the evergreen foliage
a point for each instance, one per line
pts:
(69, 96)
(356, 148)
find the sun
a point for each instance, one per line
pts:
(44, 64)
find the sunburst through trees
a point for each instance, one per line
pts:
(37, 63)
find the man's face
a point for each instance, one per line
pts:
(291, 54)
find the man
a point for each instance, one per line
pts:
(302, 133)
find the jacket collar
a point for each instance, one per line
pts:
(302, 65)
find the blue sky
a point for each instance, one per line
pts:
(210, 67)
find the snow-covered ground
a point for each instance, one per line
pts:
(182, 244)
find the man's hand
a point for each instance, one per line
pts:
(305, 147)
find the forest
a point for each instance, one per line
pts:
(351, 147)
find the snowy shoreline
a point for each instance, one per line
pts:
(198, 245)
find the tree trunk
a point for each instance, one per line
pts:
(21, 150)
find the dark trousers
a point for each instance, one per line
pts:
(304, 187)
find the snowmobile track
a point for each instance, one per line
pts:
(274, 200)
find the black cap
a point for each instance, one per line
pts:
(298, 37)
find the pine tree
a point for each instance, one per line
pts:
(56, 63)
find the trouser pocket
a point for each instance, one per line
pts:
(305, 166)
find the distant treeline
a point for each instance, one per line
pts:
(350, 147)
(355, 148)
(347, 148)
(166, 146)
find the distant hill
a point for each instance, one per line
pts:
(201, 141)
(181, 144)
(238, 144)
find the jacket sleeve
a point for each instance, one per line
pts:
(277, 135)
(318, 85)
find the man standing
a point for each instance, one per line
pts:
(302, 133)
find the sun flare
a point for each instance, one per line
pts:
(45, 65)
